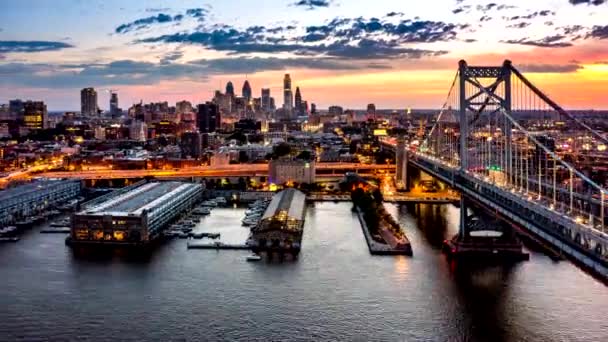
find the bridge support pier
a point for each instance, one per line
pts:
(478, 238)
(401, 176)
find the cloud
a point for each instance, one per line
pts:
(341, 37)
(550, 68)
(7, 46)
(129, 72)
(597, 32)
(587, 2)
(161, 18)
(146, 22)
(312, 4)
(550, 41)
(523, 24)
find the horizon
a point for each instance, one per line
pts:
(338, 52)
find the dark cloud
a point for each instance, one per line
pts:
(550, 41)
(161, 18)
(394, 14)
(171, 57)
(550, 68)
(587, 2)
(521, 25)
(341, 37)
(312, 4)
(165, 9)
(7, 46)
(139, 24)
(249, 65)
(529, 16)
(597, 32)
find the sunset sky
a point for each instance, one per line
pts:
(394, 53)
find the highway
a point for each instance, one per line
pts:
(234, 170)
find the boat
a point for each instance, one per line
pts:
(61, 223)
(183, 235)
(186, 229)
(209, 203)
(201, 211)
(25, 224)
(188, 223)
(253, 257)
(198, 235)
(9, 239)
(249, 223)
(221, 201)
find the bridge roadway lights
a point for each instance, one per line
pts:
(464, 246)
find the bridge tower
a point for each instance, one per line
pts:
(401, 177)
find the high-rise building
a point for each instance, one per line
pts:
(298, 102)
(88, 102)
(34, 114)
(371, 111)
(336, 110)
(138, 131)
(287, 95)
(114, 109)
(313, 109)
(266, 100)
(15, 108)
(247, 91)
(230, 89)
(208, 117)
(183, 107)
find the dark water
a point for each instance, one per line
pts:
(335, 291)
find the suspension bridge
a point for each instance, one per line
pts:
(494, 140)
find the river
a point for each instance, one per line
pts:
(335, 291)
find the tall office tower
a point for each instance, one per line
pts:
(265, 99)
(208, 117)
(247, 91)
(287, 95)
(230, 89)
(183, 107)
(15, 109)
(88, 102)
(34, 115)
(114, 110)
(313, 109)
(298, 102)
(371, 111)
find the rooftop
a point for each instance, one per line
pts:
(289, 201)
(134, 202)
(24, 189)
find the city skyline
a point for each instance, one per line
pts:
(392, 54)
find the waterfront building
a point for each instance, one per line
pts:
(287, 96)
(208, 117)
(134, 215)
(281, 227)
(34, 115)
(285, 170)
(88, 102)
(27, 200)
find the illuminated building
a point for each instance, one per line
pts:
(371, 111)
(208, 118)
(34, 115)
(283, 171)
(230, 89)
(281, 227)
(336, 110)
(287, 96)
(134, 215)
(88, 102)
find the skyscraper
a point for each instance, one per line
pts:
(114, 110)
(265, 99)
(208, 117)
(34, 114)
(247, 91)
(287, 95)
(88, 102)
(371, 111)
(230, 89)
(298, 103)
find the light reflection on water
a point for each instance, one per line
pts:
(334, 291)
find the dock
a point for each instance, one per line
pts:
(60, 230)
(217, 246)
(376, 248)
